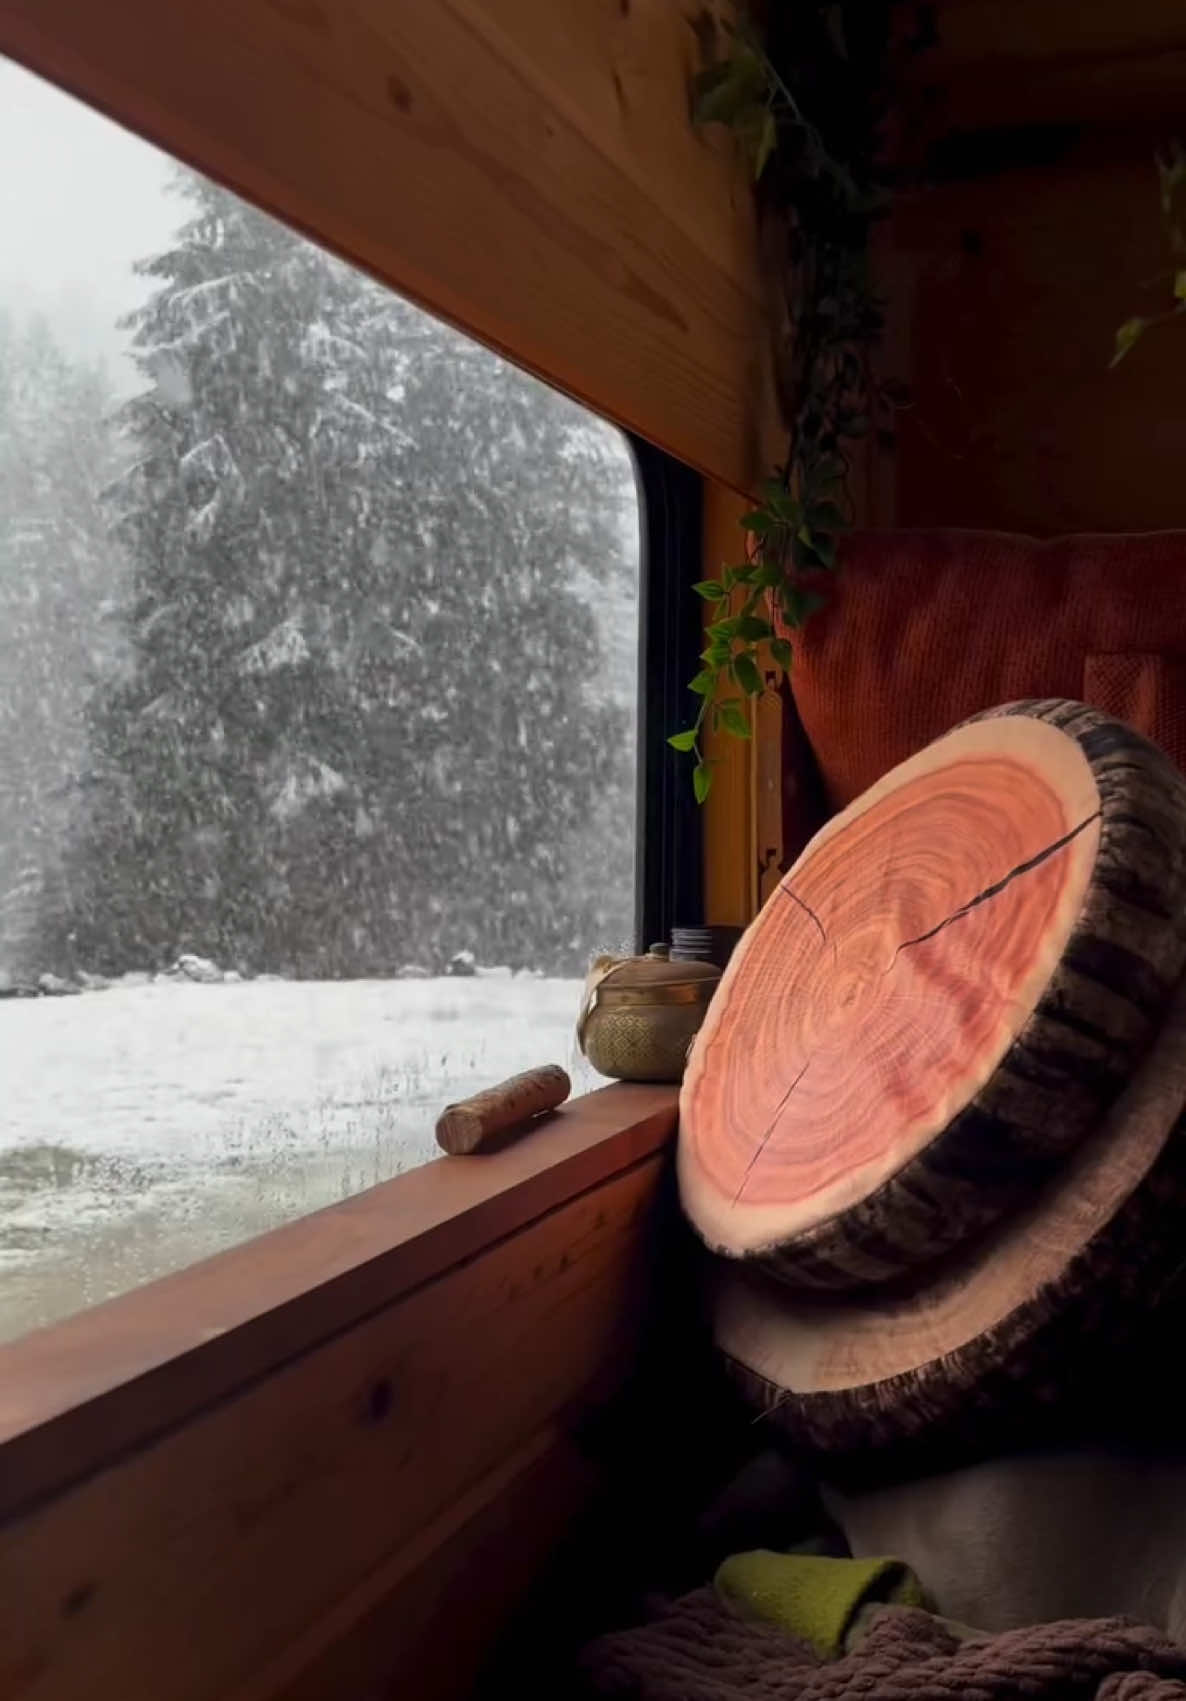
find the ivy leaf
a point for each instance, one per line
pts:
(766, 575)
(780, 502)
(760, 521)
(723, 93)
(683, 740)
(791, 603)
(1180, 284)
(781, 651)
(827, 515)
(708, 88)
(1126, 336)
(716, 655)
(731, 101)
(748, 127)
(753, 630)
(766, 141)
(824, 546)
(701, 781)
(704, 684)
(710, 589)
(799, 605)
(785, 509)
(810, 550)
(722, 631)
(747, 676)
(735, 721)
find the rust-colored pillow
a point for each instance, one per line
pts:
(926, 628)
(1147, 691)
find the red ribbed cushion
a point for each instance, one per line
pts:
(926, 628)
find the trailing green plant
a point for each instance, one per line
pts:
(804, 101)
(1171, 179)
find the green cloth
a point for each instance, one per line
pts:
(813, 1598)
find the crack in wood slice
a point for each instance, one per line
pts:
(988, 893)
(1000, 885)
(806, 908)
(874, 1084)
(764, 1141)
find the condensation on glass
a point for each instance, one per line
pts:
(317, 700)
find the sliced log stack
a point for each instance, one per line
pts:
(931, 1121)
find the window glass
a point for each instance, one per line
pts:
(318, 632)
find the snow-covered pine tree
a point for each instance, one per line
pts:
(356, 727)
(58, 569)
(505, 522)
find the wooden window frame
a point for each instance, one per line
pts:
(79, 1392)
(314, 1454)
(77, 1395)
(91, 1406)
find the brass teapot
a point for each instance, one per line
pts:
(640, 1014)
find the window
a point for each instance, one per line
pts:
(318, 639)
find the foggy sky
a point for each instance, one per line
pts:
(80, 199)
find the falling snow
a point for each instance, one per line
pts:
(317, 675)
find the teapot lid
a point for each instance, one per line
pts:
(657, 969)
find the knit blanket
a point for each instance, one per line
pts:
(699, 1650)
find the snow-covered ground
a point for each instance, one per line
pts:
(144, 1127)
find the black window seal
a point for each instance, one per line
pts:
(669, 855)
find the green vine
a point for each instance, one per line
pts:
(804, 105)
(1171, 178)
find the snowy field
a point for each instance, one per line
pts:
(144, 1127)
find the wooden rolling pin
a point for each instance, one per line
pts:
(474, 1125)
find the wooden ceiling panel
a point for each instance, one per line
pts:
(524, 169)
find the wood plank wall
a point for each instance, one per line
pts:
(1005, 283)
(1026, 62)
(526, 169)
(361, 1518)
(1007, 280)
(1007, 291)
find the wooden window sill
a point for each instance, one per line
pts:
(78, 1395)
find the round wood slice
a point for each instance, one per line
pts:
(939, 1000)
(1030, 1316)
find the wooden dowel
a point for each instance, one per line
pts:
(475, 1124)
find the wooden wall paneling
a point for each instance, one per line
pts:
(424, 1623)
(619, 70)
(512, 168)
(1011, 287)
(999, 62)
(83, 1391)
(1037, 32)
(186, 1568)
